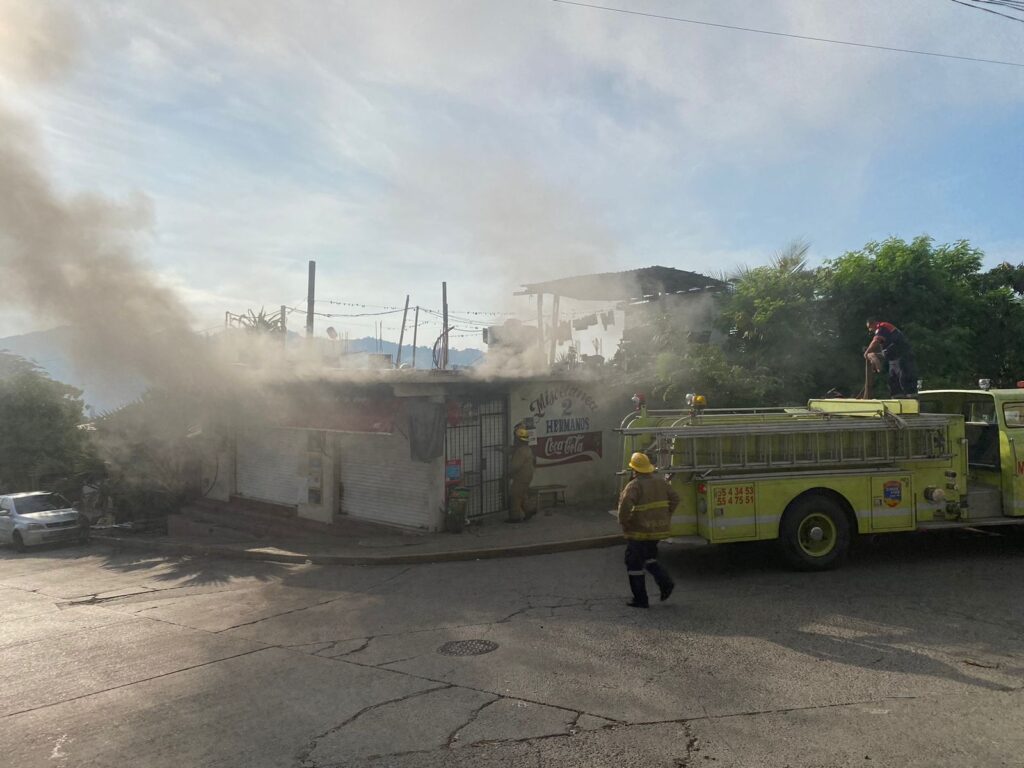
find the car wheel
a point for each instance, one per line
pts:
(815, 533)
(17, 542)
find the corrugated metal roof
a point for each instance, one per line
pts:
(622, 286)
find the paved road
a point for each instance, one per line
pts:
(910, 656)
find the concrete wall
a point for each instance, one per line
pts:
(570, 417)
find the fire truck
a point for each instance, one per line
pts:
(813, 478)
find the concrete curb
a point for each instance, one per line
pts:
(412, 558)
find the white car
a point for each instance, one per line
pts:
(38, 517)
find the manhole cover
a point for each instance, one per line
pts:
(467, 647)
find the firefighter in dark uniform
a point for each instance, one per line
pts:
(521, 465)
(891, 345)
(645, 514)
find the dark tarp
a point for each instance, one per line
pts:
(427, 423)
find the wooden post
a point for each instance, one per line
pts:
(401, 335)
(540, 321)
(310, 299)
(415, 330)
(554, 329)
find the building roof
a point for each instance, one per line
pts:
(622, 286)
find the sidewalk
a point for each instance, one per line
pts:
(558, 530)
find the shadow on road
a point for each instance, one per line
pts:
(192, 570)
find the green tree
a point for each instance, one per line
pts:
(41, 443)
(961, 322)
(779, 328)
(794, 332)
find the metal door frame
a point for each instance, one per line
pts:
(479, 441)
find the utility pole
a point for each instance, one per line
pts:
(401, 334)
(415, 330)
(310, 299)
(444, 332)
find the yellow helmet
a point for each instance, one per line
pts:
(640, 463)
(522, 433)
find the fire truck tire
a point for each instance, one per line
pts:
(815, 533)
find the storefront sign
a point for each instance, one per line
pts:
(562, 402)
(553, 450)
(561, 416)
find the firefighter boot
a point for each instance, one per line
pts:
(665, 583)
(638, 585)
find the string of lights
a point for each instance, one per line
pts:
(476, 312)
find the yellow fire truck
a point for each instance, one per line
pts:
(814, 477)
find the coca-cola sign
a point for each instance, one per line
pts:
(567, 449)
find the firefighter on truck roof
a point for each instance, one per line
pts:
(645, 514)
(891, 345)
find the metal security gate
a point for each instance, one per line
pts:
(476, 445)
(267, 464)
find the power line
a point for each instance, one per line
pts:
(789, 34)
(1010, 4)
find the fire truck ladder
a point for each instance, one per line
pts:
(767, 441)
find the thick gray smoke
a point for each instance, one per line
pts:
(71, 260)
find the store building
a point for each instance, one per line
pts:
(391, 446)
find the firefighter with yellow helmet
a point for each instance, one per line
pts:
(646, 505)
(521, 464)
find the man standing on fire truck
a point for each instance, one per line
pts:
(891, 344)
(645, 514)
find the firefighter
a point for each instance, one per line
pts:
(521, 465)
(891, 345)
(645, 514)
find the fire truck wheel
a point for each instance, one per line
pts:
(815, 534)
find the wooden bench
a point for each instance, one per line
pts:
(556, 491)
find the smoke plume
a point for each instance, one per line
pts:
(72, 259)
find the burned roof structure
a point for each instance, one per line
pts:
(632, 284)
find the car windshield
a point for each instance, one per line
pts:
(26, 505)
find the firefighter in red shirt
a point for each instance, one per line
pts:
(891, 344)
(645, 514)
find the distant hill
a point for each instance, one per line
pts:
(461, 358)
(51, 351)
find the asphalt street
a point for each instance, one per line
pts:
(909, 656)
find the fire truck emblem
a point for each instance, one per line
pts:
(892, 492)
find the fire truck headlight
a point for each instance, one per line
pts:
(932, 493)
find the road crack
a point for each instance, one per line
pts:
(133, 682)
(304, 759)
(454, 735)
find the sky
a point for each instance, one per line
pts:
(490, 144)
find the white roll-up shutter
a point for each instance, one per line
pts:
(268, 464)
(383, 484)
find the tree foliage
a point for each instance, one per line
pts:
(41, 444)
(791, 332)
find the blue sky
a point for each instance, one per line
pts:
(495, 143)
